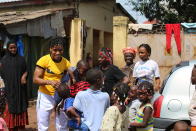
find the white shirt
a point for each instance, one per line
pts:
(149, 69)
(133, 108)
(93, 105)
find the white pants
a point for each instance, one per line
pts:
(45, 105)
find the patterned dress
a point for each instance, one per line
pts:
(128, 71)
(113, 120)
(139, 118)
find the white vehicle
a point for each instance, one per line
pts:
(176, 93)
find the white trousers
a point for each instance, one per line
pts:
(45, 105)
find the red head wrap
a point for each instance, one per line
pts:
(129, 50)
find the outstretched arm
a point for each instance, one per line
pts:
(38, 78)
(71, 75)
(71, 112)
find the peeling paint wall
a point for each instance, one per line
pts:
(160, 55)
(165, 60)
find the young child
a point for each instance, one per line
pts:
(3, 126)
(63, 92)
(144, 119)
(92, 102)
(68, 105)
(115, 118)
(133, 103)
(79, 74)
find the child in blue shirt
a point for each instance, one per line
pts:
(68, 105)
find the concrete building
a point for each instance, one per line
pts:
(87, 26)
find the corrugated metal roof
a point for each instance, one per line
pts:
(5, 1)
(16, 17)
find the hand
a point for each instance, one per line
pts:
(156, 89)
(132, 124)
(74, 81)
(54, 83)
(59, 106)
(78, 119)
(23, 81)
(127, 100)
(57, 109)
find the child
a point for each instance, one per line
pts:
(68, 105)
(192, 106)
(3, 126)
(92, 102)
(63, 92)
(144, 119)
(115, 118)
(79, 75)
(134, 103)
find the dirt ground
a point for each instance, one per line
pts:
(33, 119)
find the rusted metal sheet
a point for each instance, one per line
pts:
(16, 17)
(44, 23)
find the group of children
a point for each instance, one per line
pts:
(88, 108)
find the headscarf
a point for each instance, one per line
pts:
(129, 50)
(106, 53)
(12, 69)
(8, 44)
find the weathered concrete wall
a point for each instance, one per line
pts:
(76, 44)
(160, 55)
(99, 18)
(119, 39)
(108, 40)
(99, 14)
(158, 45)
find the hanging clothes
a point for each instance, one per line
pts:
(173, 28)
(136, 27)
(20, 46)
(189, 27)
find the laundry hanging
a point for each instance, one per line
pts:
(173, 28)
(20, 46)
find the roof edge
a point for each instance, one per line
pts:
(126, 13)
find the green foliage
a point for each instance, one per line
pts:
(167, 11)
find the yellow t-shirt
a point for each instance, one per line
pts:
(53, 71)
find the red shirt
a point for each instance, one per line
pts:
(79, 86)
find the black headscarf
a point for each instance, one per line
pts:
(12, 68)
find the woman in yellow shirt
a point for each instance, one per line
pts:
(48, 73)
